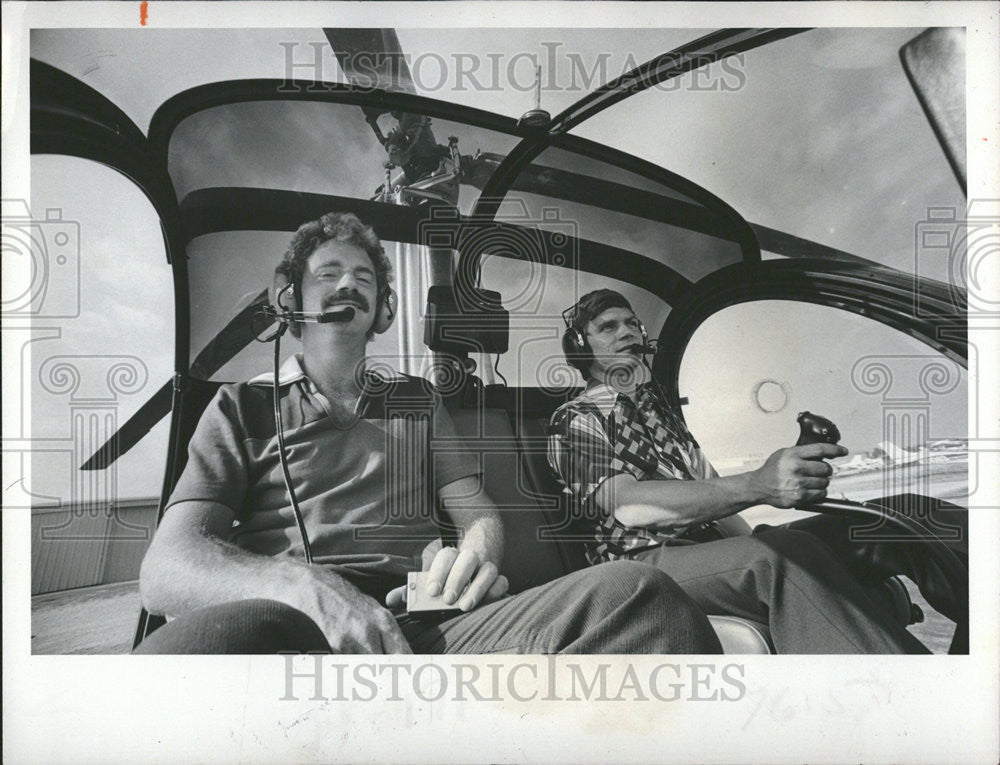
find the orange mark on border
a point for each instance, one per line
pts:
(143, 12)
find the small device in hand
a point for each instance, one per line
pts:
(420, 604)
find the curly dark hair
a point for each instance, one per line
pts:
(343, 227)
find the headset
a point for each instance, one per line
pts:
(574, 342)
(284, 307)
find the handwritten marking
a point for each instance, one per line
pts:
(143, 12)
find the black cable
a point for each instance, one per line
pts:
(496, 370)
(282, 457)
(652, 378)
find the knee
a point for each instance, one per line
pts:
(266, 614)
(621, 578)
(240, 627)
(657, 601)
(279, 626)
(777, 545)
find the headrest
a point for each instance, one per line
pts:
(466, 321)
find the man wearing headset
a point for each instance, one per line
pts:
(641, 481)
(229, 562)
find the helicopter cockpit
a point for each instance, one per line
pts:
(495, 223)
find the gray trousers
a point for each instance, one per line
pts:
(617, 608)
(791, 581)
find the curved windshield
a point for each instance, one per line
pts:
(819, 135)
(900, 407)
(323, 148)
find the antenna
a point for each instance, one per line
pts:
(537, 117)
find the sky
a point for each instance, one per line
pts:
(818, 135)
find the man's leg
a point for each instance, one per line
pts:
(615, 608)
(241, 627)
(792, 582)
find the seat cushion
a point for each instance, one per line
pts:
(741, 636)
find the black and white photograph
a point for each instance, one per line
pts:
(418, 382)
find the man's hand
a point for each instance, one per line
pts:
(797, 475)
(351, 621)
(460, 574)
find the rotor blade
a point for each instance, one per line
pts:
(134, 430)
(791, 246)
(235, 336)
(371, 58)
(701, 52)
(934, 62)
(232, 339)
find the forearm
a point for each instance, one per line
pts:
(790, 477)
(190, 566)
(210, 572)
(671, 506)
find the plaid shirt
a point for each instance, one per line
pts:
(602, 433)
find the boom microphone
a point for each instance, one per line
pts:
(340, 314)
(644, 349)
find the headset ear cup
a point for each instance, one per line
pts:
(386, 311)
(575, 349)
(284, 299)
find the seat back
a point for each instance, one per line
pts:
(531, 555)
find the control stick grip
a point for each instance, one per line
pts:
(814, 429)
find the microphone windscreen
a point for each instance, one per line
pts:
(339, 314)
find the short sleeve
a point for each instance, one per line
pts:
(581, 453)
(450, 464)
(216, 469)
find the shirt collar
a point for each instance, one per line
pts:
(291, 372)
(603, 396)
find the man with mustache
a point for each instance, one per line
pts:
(638, 476)
(228, 559)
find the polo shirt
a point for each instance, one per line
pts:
(366, 488)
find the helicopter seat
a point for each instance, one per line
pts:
(507, 429)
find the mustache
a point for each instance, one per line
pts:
(343, 296)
